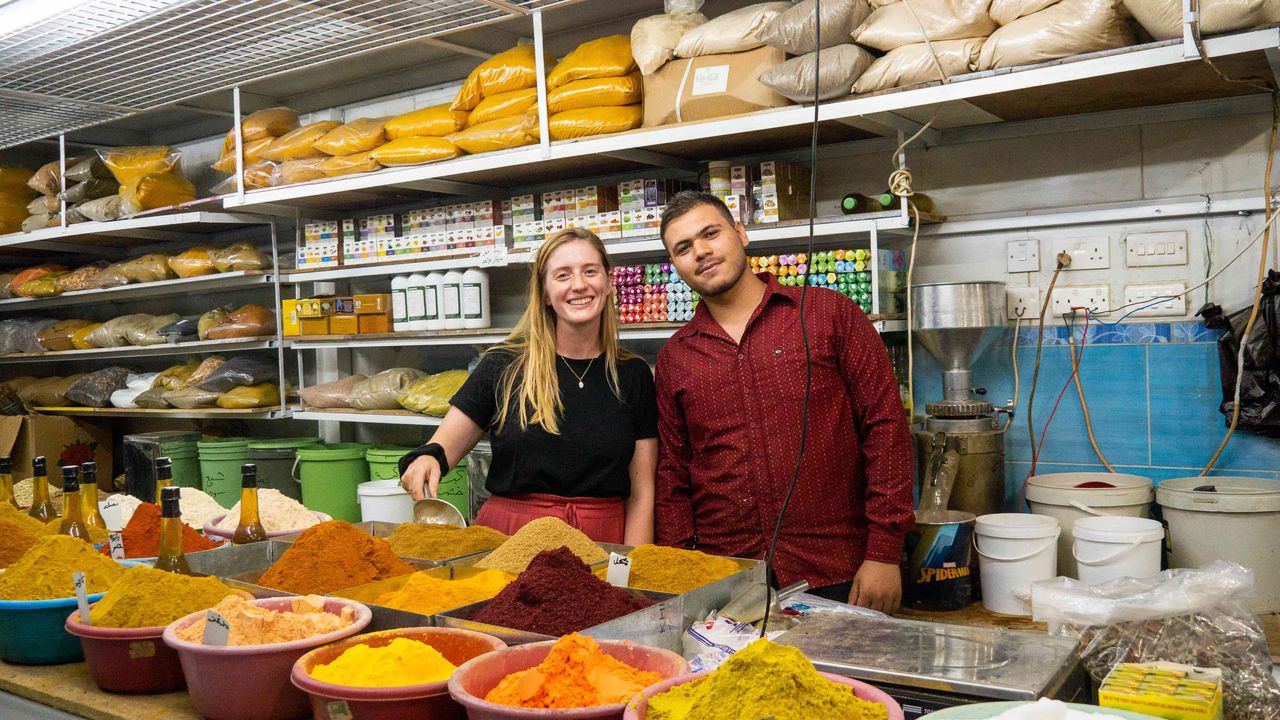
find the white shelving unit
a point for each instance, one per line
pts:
(186, 348)
(164, 288)
(200, 414)
(374, 417)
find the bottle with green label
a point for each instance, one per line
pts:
(399, 303)
(475, 299)
(433, 290)
(416, 302)
(42, 507)
(73, 523)
(451, 301)
(171, 557)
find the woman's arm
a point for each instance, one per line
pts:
(458, 434)
(644, 464)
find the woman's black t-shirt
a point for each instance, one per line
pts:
(598, 431)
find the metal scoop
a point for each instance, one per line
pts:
(748, 607)
(434, 511)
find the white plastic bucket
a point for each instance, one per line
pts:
(384, 500)
(1016, 549)
(1238, 520)
(1060, 495)
(1106, 548)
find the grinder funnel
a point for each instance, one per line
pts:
(956, 322)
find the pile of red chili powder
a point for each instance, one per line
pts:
(558, 595)
(141, 536)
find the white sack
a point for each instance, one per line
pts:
(654, 39)
(841, 66)
(1006, 11)
(1069, 28)
(893, 26)
(732, 32)
(913, 64)
(1163, 18)
(793, 29)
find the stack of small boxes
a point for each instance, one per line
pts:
(845, 271)
(1163, 689)
(642, 203)
(322, 243)
(352, 315)
(768, 192)
(371, 243)
(450, 228)
(652, 293)
(631, 210)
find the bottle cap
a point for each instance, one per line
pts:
(70, 479)
(88, 470)
(164, 468)
(248, 475)
(170, 502)
(6, 465)
(38, 466)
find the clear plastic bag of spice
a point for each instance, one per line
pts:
(1195, 617)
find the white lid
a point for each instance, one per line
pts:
(1018, 525)
(1220, 494)
(380, 488)
(1063, 488)
(1118, 529)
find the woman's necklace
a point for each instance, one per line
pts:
(575, 374)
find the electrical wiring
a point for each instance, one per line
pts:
(1035, 456)
(1017, 327)
(1208, 245)
(1084, 404)
(900, 185)
(1063, 260)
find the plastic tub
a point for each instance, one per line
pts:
(185, 459)
(34, 632)
(426, 700)
(275, 458)
(638, 708)
(220, 462)
(1107, 548)
(384, 500)
(1016, 550)
(252, 682)
(212, 531)
(128, 660)
(1075, 495)
(1237, 520)
(384, 461)
(329, 475)
(478, 677)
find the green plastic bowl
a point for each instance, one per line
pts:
(34, 632)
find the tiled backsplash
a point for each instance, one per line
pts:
(1153, 391)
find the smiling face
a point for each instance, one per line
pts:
(708, 249)
(576, 284)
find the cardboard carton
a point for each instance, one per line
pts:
(715, 86)
(62, 440)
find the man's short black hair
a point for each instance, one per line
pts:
(687, 200)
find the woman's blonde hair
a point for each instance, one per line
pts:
(531, 379)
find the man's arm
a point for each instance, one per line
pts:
(673, 504)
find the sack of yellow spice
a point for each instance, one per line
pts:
(144, 597)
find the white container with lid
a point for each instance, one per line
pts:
(451, 301)
(434, 291)
(475, 299)
(415, 302)
(399, 309)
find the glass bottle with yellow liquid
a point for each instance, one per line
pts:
(171, 558)
(164, 475)
(6, 482)
(42, 507)
(89, 495)
(250, 529)
(73, 523)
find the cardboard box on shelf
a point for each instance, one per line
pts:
(62, 440)
(315, 307)
(784, 192)
(313, 326)
(372, 303)
(289, 317)
(373, 323)
(344, 324)
(711, 86)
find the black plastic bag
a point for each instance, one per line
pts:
(94, 389)
(1260, 387)
(239, 371)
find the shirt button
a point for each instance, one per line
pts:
(741, 357)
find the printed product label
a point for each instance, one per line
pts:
(452, 302)
(471, 301)
(399, 311)
(416, 303)
(432, 303)
(710, 80)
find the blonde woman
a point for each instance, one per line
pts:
(571, 415)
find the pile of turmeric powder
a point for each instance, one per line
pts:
(44, 571)
(18, 532)
(144, 597)
(428, 594)
(675, 571)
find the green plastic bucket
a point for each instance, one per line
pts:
(275, 458)
(454, 489)
(220, 461)
(186, 462)
(329, 475)
(384, 461)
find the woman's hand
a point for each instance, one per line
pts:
(423, 474)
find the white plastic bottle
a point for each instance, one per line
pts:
(415, 302)
(451, 301)
(434, 294)
(399, 309)
(475, 299)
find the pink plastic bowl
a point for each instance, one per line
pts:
(638, 708)
(251, 682)
(428, 700)
(212, 531)
(128, 660)
(478, 677)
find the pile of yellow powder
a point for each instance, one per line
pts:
(96, 535)
(145, 598)
(759, 681)
(428, 594)
(441, 542)
(253, 625)
(18, 533)
(675, 571)
(546, 533)
(401, 662)
(44, 572)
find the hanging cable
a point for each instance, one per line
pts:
(900, 185)
(1064, 259)
(1084, 404)
(1035, 449)
(1017, 327)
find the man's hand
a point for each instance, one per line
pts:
(877, 586)
(422, 473)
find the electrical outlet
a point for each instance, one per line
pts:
(1094, 297)
(1090, 253)
(1159, 248)
(1024, 255)
(1022, 302)
(1142, 300)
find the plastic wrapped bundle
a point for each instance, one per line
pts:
(513, 69)
(14, 181)
(32, 273)
(1163, 18)
(95, 389)
(384, 390)
(336, 394)
(149, 333)
(89, 168)
(794, 29)
(496, 135)
(339, 165)
(22, 335)
(44, 286)
(248, 321)
(48, 179)
(892, 26)
(431, 394)
(45, 204)
(1006, 11)
(191, 398)
(299, 144)
(914, 64)
(152, 399)
(204, 370)
(103, 209)
(13, 212)
(503, 105)
(609, 56)
(734, 31)
(596, 92)
(81, 277)
(297, 171)
(40, 221)
(415, 151)
(148, 268)
(156, 190)
(92, 189)
(193, 262)
(252, 153)
(176, 376)
(841, 66)
(58, 336)
(51, 392)
(358, 136)
(1070, 27)
(240, 256)
(134, 385)
(654, 39)
(594, 121)
(116, 331)
(130, 164)
(240, 371)
(250, 396)
(80, 338)
(434, 121)
(269, 122)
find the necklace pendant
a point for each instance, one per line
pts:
(579, 384)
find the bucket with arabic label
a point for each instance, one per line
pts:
(937, 563)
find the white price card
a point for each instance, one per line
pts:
(116, 542)
(619, 570)
(338, 710)
(216, 629)
(111, 512)
(494, 257)
(82, 599)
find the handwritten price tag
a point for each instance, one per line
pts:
(216, 629)
(111, 514)
(116, 542)
(82, 599)
(494, 257)
(339, 710)
(619, 572)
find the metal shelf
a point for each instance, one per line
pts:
(376, 417)
(187, 348)
(490, 336)
(270, 413)
(220, 281)
(194, 225)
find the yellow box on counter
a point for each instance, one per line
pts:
(344, 324)
(315, 307)
(372, 304)
(1164, 690)
(289, 317)
(313, 326)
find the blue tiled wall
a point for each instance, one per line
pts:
(1153, 392)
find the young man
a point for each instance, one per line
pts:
(730, 396)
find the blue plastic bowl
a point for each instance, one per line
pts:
(34, 632)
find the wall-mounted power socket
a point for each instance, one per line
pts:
(1088, 253)
(1154, 300)
(1096, 298)
(1022, 302)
